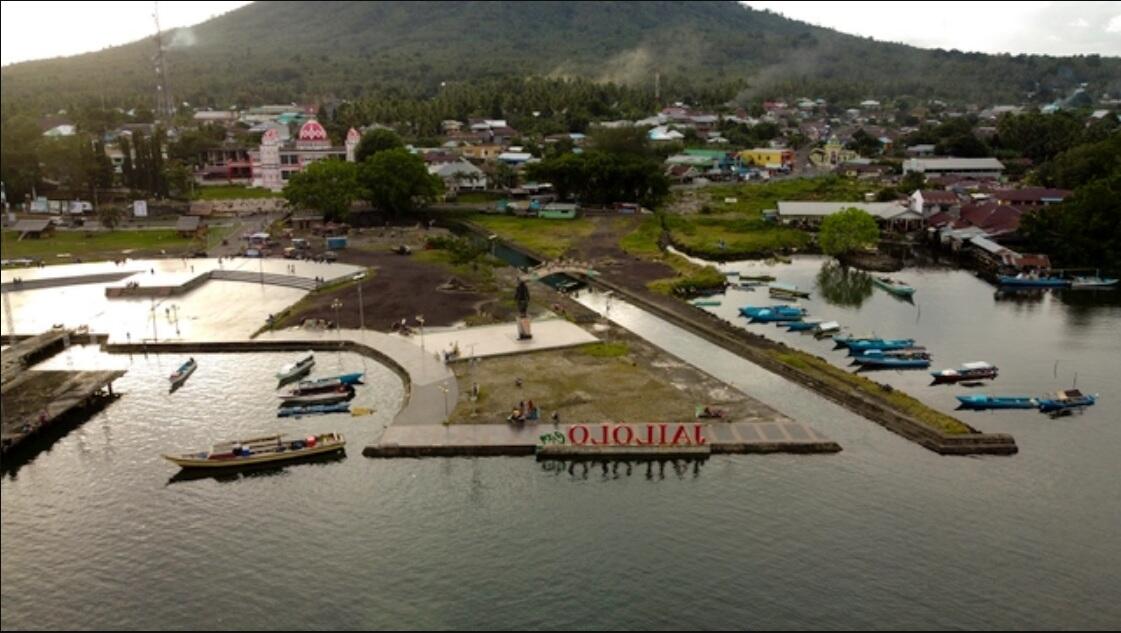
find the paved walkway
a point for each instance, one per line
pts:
(502, 339)
(155, 269)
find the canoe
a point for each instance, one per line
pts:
(702, 303)
(328, 382)
(774, 316)
(1033, 282)
(780, 289)
(894, 286)
(863, 345)
(1084, 283)
(978, 370)
(980, 402)
(892, 362)
(180, 376)
(906, 352)
(824, 329)
(801, 326)
(298, 368)
(751, 311)
(340, 394)
(1068, 399)
(312, 409)
(259, 450)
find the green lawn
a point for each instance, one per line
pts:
(754, 198)
(742, 237)
(97, 245)
(232, 192)
(550, 238)
(643, 242)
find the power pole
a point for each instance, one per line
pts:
(165, 107)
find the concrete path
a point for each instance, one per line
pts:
(154, 269)
(502, 339)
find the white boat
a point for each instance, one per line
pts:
(298, 368)
(1093, 282)
(785, 290)
(827, 328)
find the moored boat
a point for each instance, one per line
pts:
(705, 303)
(801, 326)
(899, 359)
(259, 450)
(180, 376)
(1028, 281)
(978, 370)
(340, 394)
(328, 383)
(751, 311)
(296, 369)
(1093, 282)
(785, 290)
(894, 286)
(1066, 399)
(312, 409)
(775, 316)
(883, 344)
(825, 329)
(981, 402)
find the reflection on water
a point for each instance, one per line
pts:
(229, 475)
(609, 469)
(843, 286)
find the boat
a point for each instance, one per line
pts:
(906, 352)
(1093, 283)
(1065, 400)
(751, 311)
(883, 344)
(780, 289)
(801, 326)
(980, 402)
(328, 383)
(978, 370)
(340, 394)
(312, 409)
(1027, 281)
(872, 360)
(259, 450)
(775, 316)
(296, 369)
(180, 376)
(824, 329)
(894, 286)
(703, 303)
(750, 286)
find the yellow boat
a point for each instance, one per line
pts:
(260, 450)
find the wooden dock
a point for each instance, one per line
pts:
(37, 401)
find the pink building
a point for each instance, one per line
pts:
(276, 160)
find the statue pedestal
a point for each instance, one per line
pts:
(524, 332)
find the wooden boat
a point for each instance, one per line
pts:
(339, 394)
(1024, 281)
(180, 376)
(981, 402)
(756, 277)
(296, 369)
(1065, 400)
(787, 291)
(259, 450)
(312, 409)
(978, 370)
(327, 384)
(894, 286)
(825, 329)
(884, 344)
(774, 316)
(876, 361)
(1093, 283)
(702, 303)
(801, 326)
(751, 311)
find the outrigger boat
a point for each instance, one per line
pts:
(894, 286)
(751, 311)
(980, 402)
(1033, 282)
(180, 376)
(1067, 399)
(340, 394)
(978, 370)
(312, 409)
(883, 344)
(259, 450)
(296, 369)
(774, 316)
(901, 359)
(787, 291)
(702, 303)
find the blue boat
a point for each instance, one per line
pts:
(882, 344)
(801, 326)
(980, 402)
(313, 409)
(772, 316)
(1033, 282)
(1069, 399)
(903, 359)
(329, 382)
(751, 311)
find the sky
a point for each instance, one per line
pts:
(34, 30)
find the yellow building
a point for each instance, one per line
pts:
(766, 157)
(832, 154)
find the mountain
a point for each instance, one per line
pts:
(281, 51)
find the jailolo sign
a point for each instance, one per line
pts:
(652, 434)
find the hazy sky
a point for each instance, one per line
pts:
(33, 30)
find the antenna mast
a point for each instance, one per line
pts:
(165, 107)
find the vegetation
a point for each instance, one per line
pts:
(751, 199)
(606, 349)
(233, 192)
(619, 167)
(690, 277)
(550, 238)
(397, 181)
(731, 237)
(848, 231)
(96, 245)
(374, 141)
(327, 186)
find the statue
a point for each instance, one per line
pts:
(521, 297)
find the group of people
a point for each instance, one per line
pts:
(523, 412)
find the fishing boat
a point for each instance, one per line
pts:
(906, 352)
(787, 291)
(180, 376)
(978, 370)
(704, 303)
(825, 329)
(259, 450)
(329, 382)
(873, 359)
(751, 311)
(312, 409)
(1065, 400)
(980, 402)
(1029, 281)
(775, 316)
(883, 344)
(801, 326)
(340, 394)
(894, 286)
(1093, 283)
(750, 286)
(296, 369)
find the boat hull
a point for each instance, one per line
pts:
(898, 290)
(186, 461)
(1047, 405)
(980, 403)
(1043, 282)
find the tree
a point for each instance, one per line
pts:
(19, 158)
(328, 186)
(964, 145)
(911, 182)
(848, 231)
(503, 176)
(374, 141)
(864, 143)
(108, 216)
(179, 178)
(128, 176)
(397, 181)
(1084, 229)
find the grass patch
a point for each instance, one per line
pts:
(550, 238)
(643, 242)
(754, 198)
(896, 399)
(233, 192)
(606, 349)
(98, 245)
(730, 236)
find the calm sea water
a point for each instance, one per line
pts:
(97, 534)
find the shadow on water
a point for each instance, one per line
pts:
(843, 286)
(45, 438)
(246, 472)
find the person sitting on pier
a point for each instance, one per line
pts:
(516, 416)
(532, 413)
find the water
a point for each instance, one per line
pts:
(882, 535)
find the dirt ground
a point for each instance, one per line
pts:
(636, 383)
(602, 248)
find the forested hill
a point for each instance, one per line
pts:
(282, 51)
